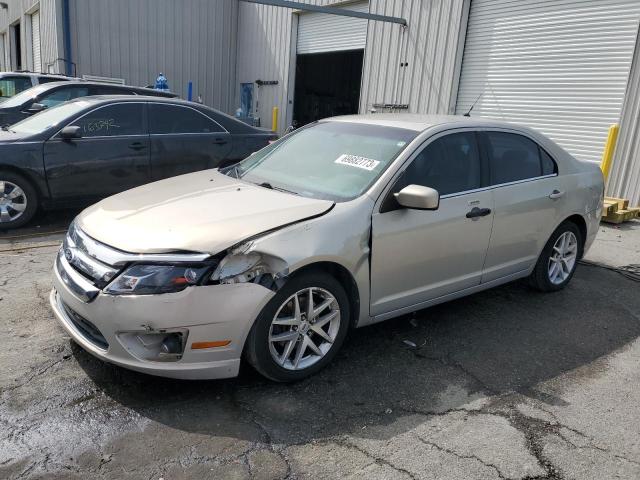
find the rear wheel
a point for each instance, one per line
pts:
(301, 329)
(559, 258)
(18, 200)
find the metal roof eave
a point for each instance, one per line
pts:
(330, 10)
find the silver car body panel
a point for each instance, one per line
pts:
(198, 212)
(398, 262)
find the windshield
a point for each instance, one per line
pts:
(329, 160)
(51, 117)
(22, 97)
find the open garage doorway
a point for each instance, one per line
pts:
(327, 84)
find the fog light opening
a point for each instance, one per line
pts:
(172, 344)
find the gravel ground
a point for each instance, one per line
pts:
(508, 383)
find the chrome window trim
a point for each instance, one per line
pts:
(118, 258)
(499, 185)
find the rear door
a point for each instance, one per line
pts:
(528, 200)
(418, 255)
(184, 140)
(112, 155)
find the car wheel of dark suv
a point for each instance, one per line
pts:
(18, 200)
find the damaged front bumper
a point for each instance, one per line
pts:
(211, 321)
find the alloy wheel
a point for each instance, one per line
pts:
(563, 258)
(13, 201)
(304, 328)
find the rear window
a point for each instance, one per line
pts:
(168, 119)
(514, 157)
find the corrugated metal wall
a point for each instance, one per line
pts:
(560, 67)
(624, 180)
(266, 36)
(136, 39)
(430, 44)
(430, 47)
(50, 31)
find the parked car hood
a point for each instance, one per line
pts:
(199, 212)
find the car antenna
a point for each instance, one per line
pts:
(468, 114)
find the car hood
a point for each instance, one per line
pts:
(198, 212)
(10, 137)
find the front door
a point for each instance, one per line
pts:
(417, 255)
(112, 155)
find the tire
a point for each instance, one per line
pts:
(547, 278)
(268, 357)
(16, 211)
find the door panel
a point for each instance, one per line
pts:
(173, 155)
(524, 219)
(112, 156)
(421, 255)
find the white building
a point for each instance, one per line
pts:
(569, 68)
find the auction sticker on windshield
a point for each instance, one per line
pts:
(356, 161)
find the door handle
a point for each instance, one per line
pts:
(478, 212)
(219, 141)
(556, 194)
(136, 146)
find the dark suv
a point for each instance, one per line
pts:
(39, 98)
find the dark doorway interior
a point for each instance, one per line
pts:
(327, 84)
(17, 46)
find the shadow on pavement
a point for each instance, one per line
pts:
(503, 340)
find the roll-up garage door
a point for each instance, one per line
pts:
(321, 32)
(35, 41)
(558, 66)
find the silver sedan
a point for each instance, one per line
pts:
(341, 224)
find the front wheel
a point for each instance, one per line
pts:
(18, 200)
(301, 329)
(559, 259)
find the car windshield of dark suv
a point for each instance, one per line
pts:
(330, 160)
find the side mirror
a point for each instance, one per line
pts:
(69, 133)
(36, 108)
(418, 197)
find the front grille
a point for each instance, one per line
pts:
(78, 251)
(85, 327)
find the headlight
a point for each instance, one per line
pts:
(154, 279)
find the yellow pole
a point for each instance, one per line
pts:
(274, 119)
(609, 147)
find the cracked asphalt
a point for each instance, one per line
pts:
(508, 383)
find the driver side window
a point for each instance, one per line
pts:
(450, 164)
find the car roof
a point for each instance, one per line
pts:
(98, 99)
(31, 74)
(419, 122)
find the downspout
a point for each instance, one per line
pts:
(66, 28)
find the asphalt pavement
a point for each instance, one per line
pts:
(508, 383)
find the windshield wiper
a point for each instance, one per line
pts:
(271, 187)
(5, 128)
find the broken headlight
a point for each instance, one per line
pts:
(251, 267)
(154, 279)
